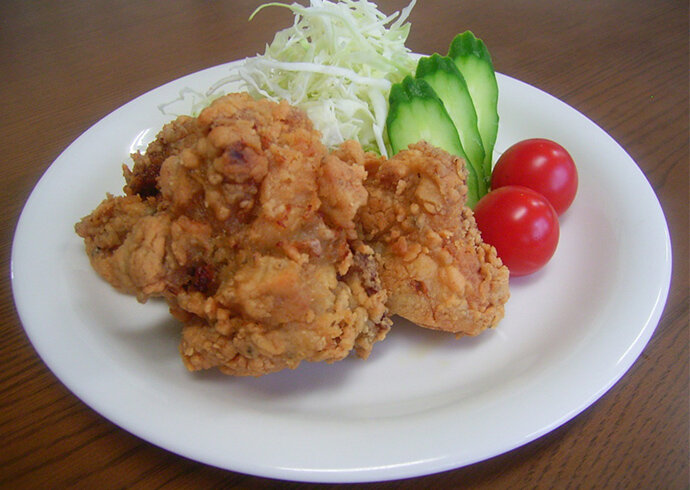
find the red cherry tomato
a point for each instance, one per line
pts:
(521, 224)
(543, 166)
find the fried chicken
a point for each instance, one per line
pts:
(270, 250)
(432, 260)
(244, 223)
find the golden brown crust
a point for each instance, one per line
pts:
(247, 231)
(439, 272)
(271, 251)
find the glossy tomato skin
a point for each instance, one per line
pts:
(542, 165)
(521, 224)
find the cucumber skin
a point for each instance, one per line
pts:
(415, 109)
(434, 69)
(411, 92)
(466, 46)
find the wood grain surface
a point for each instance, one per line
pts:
(623, 63)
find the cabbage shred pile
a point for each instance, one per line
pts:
(337, 62)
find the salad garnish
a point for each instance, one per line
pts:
(337, 62)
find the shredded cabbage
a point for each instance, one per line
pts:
(337, 62)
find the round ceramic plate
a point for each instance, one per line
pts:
(423, 402)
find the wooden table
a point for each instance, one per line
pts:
(623, 63)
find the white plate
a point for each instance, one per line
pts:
(423, 402)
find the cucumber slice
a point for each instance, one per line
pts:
(416, 113)
(474, 62)
(444, 77)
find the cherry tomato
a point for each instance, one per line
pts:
(521, 224)
(541, 165)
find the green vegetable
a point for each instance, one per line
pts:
(444, 77)
(474, 62)
(417, 113)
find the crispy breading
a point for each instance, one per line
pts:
(271, 251)
(241, 220)
(438, 271)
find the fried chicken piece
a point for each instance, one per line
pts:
(438, 271)
(244, 223)
(125, 241)
(142, 179)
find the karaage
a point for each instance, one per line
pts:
(244, 223)
(432, 260)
